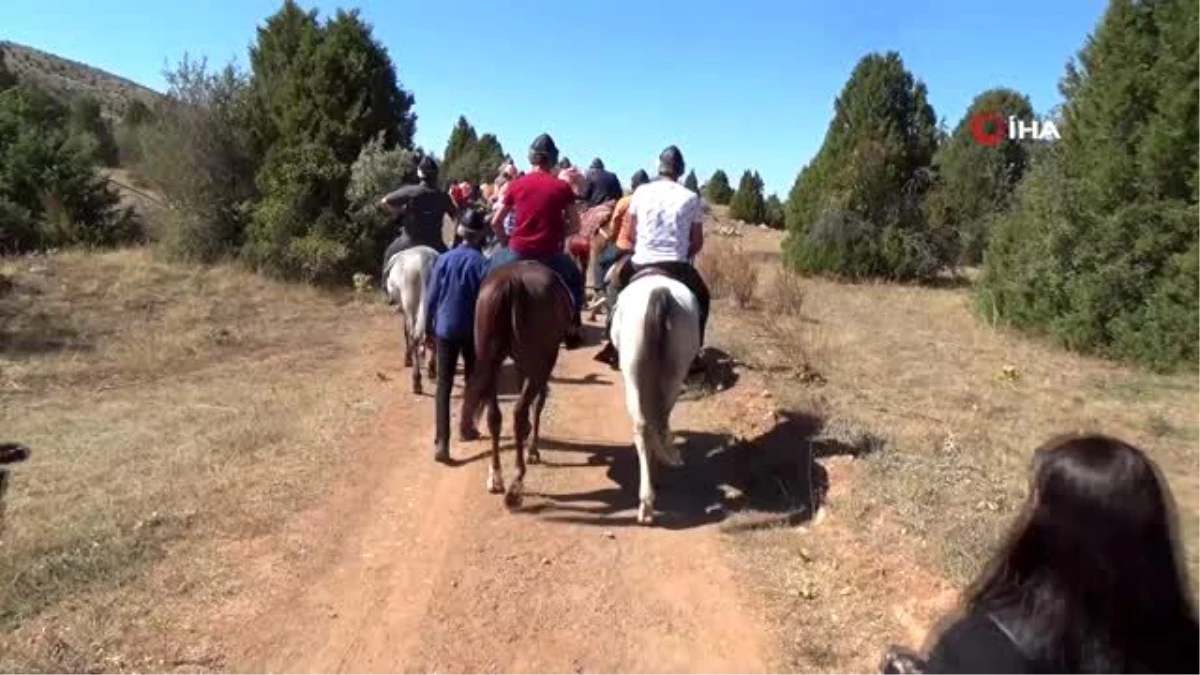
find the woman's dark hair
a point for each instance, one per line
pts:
(1091, 578)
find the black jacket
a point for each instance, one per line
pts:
(601, 186)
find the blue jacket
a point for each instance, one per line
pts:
(453, 288)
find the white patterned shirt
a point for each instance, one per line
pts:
(665, 212)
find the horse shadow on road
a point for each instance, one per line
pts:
(774, 473)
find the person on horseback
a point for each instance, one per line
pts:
(601, 190)
(618, 244)
(421, 208)
(668, 220)
(546, 214)
(450, 307)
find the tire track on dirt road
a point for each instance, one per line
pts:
(414, 567)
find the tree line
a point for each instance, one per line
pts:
(1090, 239)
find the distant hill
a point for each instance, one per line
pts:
(66, 79)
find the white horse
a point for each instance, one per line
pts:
(406, 276)
(656, 330)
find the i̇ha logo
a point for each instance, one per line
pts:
(990, 128)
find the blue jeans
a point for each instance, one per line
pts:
(604, 262)
(560, 262)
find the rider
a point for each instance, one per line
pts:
(422, 207)
(668, 220)
(545, 213)
(618, 245)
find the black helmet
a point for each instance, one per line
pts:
(597, 164)
(427, 169)
(473, 221)
(543, 151)
(640, 178)
(670, 162)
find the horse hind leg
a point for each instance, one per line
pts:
(408, 357)
(414, 351)
(645, 514)
(495, 480)
(535, 454)
(521, 428)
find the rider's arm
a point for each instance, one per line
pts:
(696, 240)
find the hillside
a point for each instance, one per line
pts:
(66, 78)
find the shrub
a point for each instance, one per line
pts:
(198, 153)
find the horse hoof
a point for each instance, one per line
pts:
(535, 457)
(495, 484)
(468, 435)
(512, 499)
(418, 389)
(645, 515)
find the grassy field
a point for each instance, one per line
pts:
(957, 408)
(169, 409)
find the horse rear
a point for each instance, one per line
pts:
(406, 280)
(656, 330)
(523, 313)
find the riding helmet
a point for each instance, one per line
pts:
(670, 162)
(473, 221)
(597, 164)
(640, 178)
(543, 146)
(427, 169)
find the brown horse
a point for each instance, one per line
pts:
(523, 312)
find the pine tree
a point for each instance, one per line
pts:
(857, 210)
(977, 182)
(690, 182)
(717, 190)
(1100, 249)
(747, 203)
(773, 212)
(462, 140)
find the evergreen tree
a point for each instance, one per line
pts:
(470, 157)
(977, 182)
(1100, 249)
(462, 140)
(857, 210)
(321, 92)
(773, 212)
(717, 190)
(50, 192)
(85, 120)
(690, 182)
(747, 203)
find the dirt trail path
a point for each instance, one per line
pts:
(414, 567)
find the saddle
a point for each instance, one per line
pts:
(651, 272)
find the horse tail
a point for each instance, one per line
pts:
(651, 369)
(497, 299)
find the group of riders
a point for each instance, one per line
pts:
(562, 218)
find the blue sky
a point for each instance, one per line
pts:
(738, 85)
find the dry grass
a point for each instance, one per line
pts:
(729, 272)
(167, 407)
(961, 408)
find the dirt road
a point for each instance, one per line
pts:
(413, 566)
